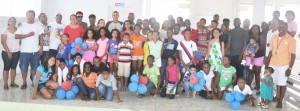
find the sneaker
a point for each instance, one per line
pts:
(251, 66)
(243, 62)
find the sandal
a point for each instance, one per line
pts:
(260, 104)
(6, 87)
(14, 85)
(24, 86)
(264, 106)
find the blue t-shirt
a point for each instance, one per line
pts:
(45, 76)
(113, 46)
(252, 49)
(64, 53)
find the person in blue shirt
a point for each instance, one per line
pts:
(43, 79)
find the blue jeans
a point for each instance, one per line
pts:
(164, 64)
(150, 86)
(186, 87)
(85, 90)
(29, 58)
(106, 92)
(246, 73)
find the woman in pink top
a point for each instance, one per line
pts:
(127, 28)
(173, 76)
(104, 34)
(90, 51)
(292, 25)
(73, 30)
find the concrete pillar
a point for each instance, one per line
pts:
(258, 11)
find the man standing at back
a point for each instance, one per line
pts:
(79, 15)
(131, 19)
(115, 23)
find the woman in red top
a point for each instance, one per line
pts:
(127, 28)
(74, 30)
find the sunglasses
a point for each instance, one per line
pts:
(79, 16)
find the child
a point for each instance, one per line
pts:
(215, 50)
(62, 71)
(86, 83)
(243, 88)
(74, 73)
(226, 76)
(79, 61)
(90, 39)
(127, 28)
(124, 60)
(112, 51)
(153, 75)
(155, 49)
(64, 48)
(173, 75)
(43, 79)
(138, 41)
(267, 88)
(251, 48)
(107, 85)
(186, 79)
(102, 43)
(209, 87)
(97, 65)
(146, 47)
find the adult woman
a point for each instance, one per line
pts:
(127, 28)
(74, 30)
(292, 25)
(203, 37)
(11, 52)
(101, 23)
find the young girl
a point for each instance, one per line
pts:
(74, 73)
(112, 51)
(101, 23)
(138, 41)
(215, 50)
(62, 71)
(155, 49)
(173, 75)
(209, 87)
(126, 29)
(267, 88)
(102, 43)
(146, 47)
(90, 39)
(43, 79)
(226, 76)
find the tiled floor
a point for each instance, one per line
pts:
(131, 102)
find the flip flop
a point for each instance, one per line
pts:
(23, 86)
(260, 104)
(264, 107)
(6, 87)
(14, 85)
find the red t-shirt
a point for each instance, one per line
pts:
(74, 33)
(194, 35)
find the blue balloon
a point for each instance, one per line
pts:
(191, 85)
(142, 89)
(202, 81)
(134, 78)
(84, 45)
(198, 87)
(71, 62)
(229, 97)
(60, 94)
(81, 52)
(59, 88)
(73, 45)
(70, 95)
(78, 41)
(239, 97)
(234, 93)
(133, 87)
(75, 89)
(235, 105)
(200, 75)
(198, 56)
(73, 51)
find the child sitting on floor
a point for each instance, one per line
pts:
(62, 71)
(186, 79)
(243, 88)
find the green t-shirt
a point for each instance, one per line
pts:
(152, 73)
(226, 75)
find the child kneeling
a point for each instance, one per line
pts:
(243, 88)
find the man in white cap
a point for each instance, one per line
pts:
(57, 30)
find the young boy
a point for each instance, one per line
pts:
(226, 76)
(186, 79)
(124, 60)
(243, 88)
(107, 85)
(251, 49)
(79, 61)
(155, 49)
(62, 71)
(153, 75)
(98, 65)
(64, 48)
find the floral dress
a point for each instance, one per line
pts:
(215, 55)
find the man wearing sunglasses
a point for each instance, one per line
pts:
(79, 16)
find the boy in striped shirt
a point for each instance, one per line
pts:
(124, 60)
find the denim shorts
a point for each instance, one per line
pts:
(27, 59)
(41, 86)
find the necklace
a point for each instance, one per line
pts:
(278, 44)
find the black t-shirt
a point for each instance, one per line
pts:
(170, 49)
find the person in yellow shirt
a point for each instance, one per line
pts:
(146, 47)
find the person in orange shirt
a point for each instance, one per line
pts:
(87, 83)
(138, 41)
(281, 58)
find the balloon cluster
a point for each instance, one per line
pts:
(197, 81)
(138, 84)
(69, 63)
(66, 90)
(78, 46)
(234, 98)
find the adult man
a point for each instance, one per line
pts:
(246, 24)
(46, 36)
(131, 19)
(79, 16)
(31, 37)
(115, 23)
(57, 30)
(92, 19)
(276, 15)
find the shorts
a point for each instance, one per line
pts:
(257, 61)
(279, 75)
(157, 62)
(110, 59)
(42, 85)
(223, 89)
(10, 63)
(137, 58)
(124, 69)
(27, 59)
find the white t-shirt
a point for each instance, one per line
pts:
(57, 30)
(178, 37)
(12, 43)
(110, 82)
(191, 47)
(80, 65)
(163, 35)
(30, 44)
(46, 36)
(247, 90)
(62, 75)
(268, 41)
(208, 79)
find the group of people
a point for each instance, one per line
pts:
(228, 58)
